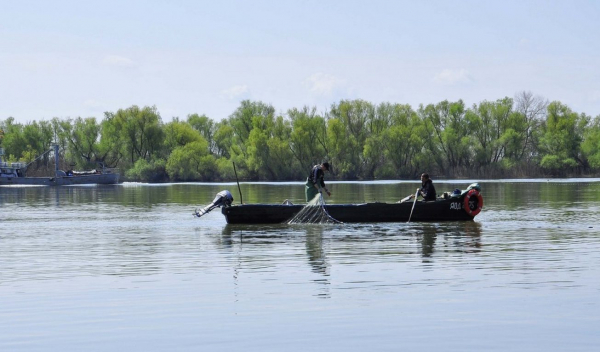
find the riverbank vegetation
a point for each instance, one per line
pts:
(524, 136)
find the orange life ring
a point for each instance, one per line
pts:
(467, 207)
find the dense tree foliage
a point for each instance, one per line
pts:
(522, 137)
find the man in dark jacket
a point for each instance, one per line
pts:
(427, 191)
(315, 183)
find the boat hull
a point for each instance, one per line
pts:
(101, 179)
(439, 210)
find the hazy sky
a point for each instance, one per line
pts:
(82, 58)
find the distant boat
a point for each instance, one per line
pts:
(14, 174)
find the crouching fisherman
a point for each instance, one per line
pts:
(315, 183)
(223, 198)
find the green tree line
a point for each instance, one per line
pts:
(524, 136)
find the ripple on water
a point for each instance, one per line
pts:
(136, 266)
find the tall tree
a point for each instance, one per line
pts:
(308, 138)
(178, 134)
(591, 144)
(248, 116)
(562, 134)
(450, 138)
(207, 129)
(192, 162)
(141, 131)
(242, 119)
(224, 139)
(373, 149)
(112, 146)
(83, 142)
(403, 141)
(345, 150)
(359, 120)
(14, 142)
(534, 110)
(489, 125)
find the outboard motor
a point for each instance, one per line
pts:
(223, 198)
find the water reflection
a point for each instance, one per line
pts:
(134, 256)
(428, 237)
(287, 236)
(314, 249)
(472, 235)
(462, 237)
(264, 234)
(318, 259)
(355, 244)
(112, 258)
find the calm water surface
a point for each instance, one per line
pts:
(127, 267)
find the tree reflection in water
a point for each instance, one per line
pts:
(360, 242)
(464, 236)
(277, 235)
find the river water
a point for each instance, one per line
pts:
(127, 267)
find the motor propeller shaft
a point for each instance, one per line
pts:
(223, 198)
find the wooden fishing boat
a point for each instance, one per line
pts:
(461, 207)
(15, 174)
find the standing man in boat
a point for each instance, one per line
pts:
(427, 191)
(315, 183)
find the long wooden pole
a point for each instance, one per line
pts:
(413, 207)
(238, 183)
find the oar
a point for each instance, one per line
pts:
(413, 207)
(405, 199)
(238, 183)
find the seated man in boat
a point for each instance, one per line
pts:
(427, 191)
(315, 183)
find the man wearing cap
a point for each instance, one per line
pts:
(315, 182)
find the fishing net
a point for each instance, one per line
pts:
(314, 213)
